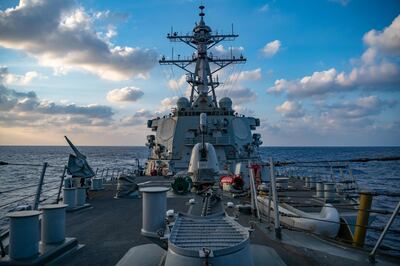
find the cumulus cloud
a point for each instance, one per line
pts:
(126, 94)
(238, 93)
(139, 118)
(360, 108)
(246, 75)
(26, 109)
(13, 79)
(344, 122)
(220, 51)
(386, 41)
(378, 70)
(291, 109)
(166, 104)
(271, 48)
(62, 35)
(176, 84)
(383, 76)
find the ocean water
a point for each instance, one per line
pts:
(381, 176)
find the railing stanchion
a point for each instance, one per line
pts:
(39, 188)
(269, 203)
(61, 184)
(389, 223)
(254, 202)
(275, 196)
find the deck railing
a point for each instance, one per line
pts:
(47, 191)
(279, 195)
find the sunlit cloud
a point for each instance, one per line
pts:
(126, 94)
(271, 48)
(62, 35)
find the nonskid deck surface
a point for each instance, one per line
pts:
(112, 226)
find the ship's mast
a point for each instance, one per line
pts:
(201, 79)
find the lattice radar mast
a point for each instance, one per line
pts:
(201, 80)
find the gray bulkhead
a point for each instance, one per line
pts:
(177, 134)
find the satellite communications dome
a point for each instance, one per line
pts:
(226, 103)
(183, 102)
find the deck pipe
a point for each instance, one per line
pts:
(80, 196)
(69, 197)
(24, 234)
(362, 218)
(53, 223)
(329, 192)
(154, 209)
(320, 189)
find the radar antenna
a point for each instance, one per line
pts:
(201, 79)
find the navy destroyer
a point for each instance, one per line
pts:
(176, 134)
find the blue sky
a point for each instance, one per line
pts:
(318, 72)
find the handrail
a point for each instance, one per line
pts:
(350, 180)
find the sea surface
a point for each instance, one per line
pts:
(382, 176)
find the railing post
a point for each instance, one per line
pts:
(269, 203)
(275, 199)
(254, 202)
(39, 188)
(389, 223)
(61, 184)
(333, 175)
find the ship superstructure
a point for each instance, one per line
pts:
(177, 133)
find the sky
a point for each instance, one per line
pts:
(318, 73)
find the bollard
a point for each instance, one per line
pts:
(311, 182)
(329, 192)
(80, 196)
(320, 189)
(76, 181)
(53, 223)
(69, 197)
(24, 234)
(97, 183)
(362, 218)
(154, 208)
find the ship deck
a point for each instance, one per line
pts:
(110, 227)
